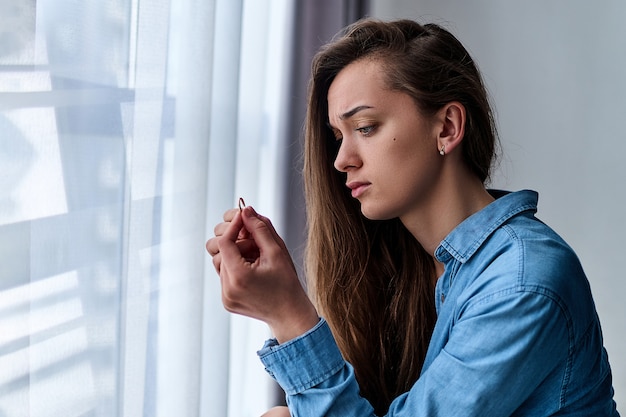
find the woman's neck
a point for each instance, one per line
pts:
(455, 199)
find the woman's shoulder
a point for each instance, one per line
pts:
(526, 251)
(525, 256)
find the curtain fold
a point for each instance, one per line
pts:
(104, 135)
(220, 195)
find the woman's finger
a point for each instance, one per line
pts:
(217, 261)
(275, 237)
(271, 228)
(226, 244)
(219, 229)
(211, 247)
(230, 214)
(261, 230)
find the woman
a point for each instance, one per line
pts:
(399, 143)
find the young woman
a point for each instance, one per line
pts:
(437, 296)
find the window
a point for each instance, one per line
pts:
(128, 127)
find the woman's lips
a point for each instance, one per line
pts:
(358, 188)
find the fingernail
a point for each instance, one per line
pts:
(249, 211)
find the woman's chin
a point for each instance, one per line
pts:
(374, 214)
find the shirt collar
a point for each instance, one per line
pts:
(469, 235)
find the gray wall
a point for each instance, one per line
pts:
(556, 71)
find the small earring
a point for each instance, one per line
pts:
(442, 151)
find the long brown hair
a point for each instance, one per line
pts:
(372, 280)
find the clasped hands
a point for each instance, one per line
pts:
(258, 276)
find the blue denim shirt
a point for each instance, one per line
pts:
(517, 332)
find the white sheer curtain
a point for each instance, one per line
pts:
(126, 128)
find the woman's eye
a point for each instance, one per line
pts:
(366, 130)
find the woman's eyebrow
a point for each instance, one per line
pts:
(349, 114)
(354, 111)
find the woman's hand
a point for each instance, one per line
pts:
(277, 412)
(257, 274)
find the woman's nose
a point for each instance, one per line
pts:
(347, 157)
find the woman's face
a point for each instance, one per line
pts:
(388, 148)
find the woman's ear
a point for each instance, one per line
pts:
(451, 127)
